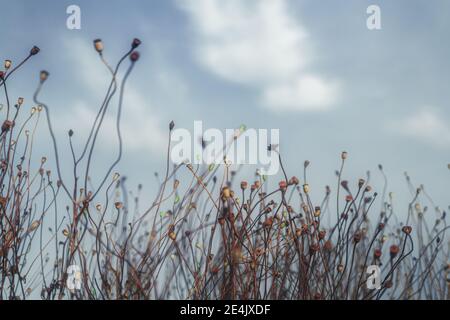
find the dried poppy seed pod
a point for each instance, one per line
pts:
(407, 229)
(305, 188)
(322, 234)
(8, 124)
(294, 180)
(388, 284)
(171, 233)
(348, 198)
(268, 222)
(7, 64)
(35, 50)
(118, 205)
(393, 250)
(136, 43)
(98, 45)
(344, 155)
(283, 185)
(377, 254)
(226, 193)
(306, 163)
(244, 185)
(20, 101)
(34, 226)
(43, 75)
(134, 56)
(257, 184)
(317, 212)
(361, 183)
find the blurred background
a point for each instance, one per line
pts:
(309, 68)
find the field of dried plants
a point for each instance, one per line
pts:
(207, 236)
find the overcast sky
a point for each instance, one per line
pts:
(309, 68)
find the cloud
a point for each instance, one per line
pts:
(259, 44)
(139, 126)
(426, 126)
(305, 93)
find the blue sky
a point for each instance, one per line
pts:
(310, 68)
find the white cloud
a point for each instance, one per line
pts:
(260, 44)
(139, 126)
(426, 126)
(305, 93)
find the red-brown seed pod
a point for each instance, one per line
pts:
(322, 234)
(283, 185)
(328, 246)
(304, 228)
(134, 56)
(388, 284)
(381, 226)
(313, 248)
(394, 250)
(377, 253)
(268, 222)
(7, 125)
(244, 185)
(294, 180)
(407, 229)
(257, 184)
(348, 198)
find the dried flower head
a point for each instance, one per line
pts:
(305, 188)
(134, 56)
(394, 250)
(43, 75)
(35, 50)
(136, 43)
(407, 229)
(98, 45)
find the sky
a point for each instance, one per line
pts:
(311, 69)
